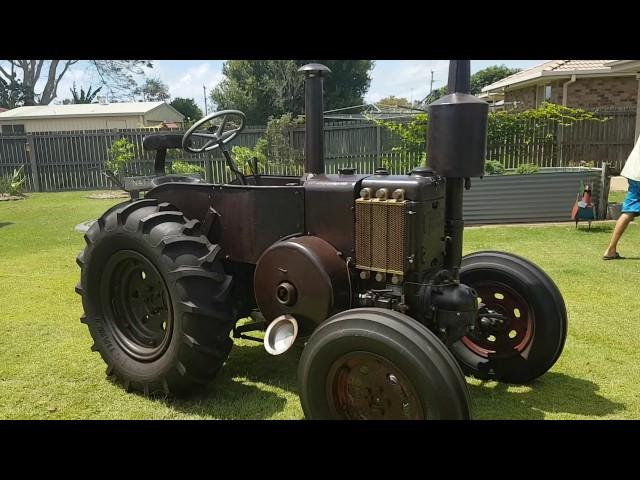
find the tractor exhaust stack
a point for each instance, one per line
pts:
(456, 147)
(314, 118)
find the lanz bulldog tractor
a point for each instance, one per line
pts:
(365, 271)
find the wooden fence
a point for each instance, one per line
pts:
(546, 143)
(72, 160)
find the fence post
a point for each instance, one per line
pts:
(378, 147)
(605, 179)
(31, 152)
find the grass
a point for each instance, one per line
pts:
(48, 372)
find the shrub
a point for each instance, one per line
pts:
(527, 169)
(13, 184)
(493, 167)
(184, 168)
(244, 156)
(122, 151)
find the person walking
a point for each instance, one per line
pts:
(630, 206)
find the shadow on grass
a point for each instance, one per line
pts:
(5, 224)
(552, 393)
(232, 394)
(596, 228)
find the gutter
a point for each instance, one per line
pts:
(564, 89)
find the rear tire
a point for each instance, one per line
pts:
(372, 363)
(156, 298)
(532, 338)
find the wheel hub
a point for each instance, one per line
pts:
(366, 386)
(136, 305)
(505, 322)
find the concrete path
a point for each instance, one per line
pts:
(618, 184)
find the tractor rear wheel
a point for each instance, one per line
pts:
(155, 298)
(378, 364)
(522, 323)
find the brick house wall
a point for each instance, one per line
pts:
(587, 93)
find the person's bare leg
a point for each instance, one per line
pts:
(621, 225)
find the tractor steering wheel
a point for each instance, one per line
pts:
(216, 135)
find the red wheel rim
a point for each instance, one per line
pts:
(366, 386)
(511, 336)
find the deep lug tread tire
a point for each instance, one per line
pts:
(198, 287)
(418, 352)
(549, 312)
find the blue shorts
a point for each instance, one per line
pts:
(632, 199)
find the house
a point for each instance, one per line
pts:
(596, 85)
(93, 116)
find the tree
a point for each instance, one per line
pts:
(116, 75)
(479, 80)
(187, 107)
(264, 88)
(11, 93)
(154, 90)
(82, 97)
(490, 75)
(393, 101)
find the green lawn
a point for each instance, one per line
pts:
(47, 370)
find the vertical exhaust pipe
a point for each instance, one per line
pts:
(456, 147)
(314, 117)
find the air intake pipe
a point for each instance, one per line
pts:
(456, 147)
(314, 117)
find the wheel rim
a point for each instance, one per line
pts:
(508, 336)
(136, 305)
(366, 386)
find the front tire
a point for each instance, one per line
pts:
(156, 298)
(530, 334)
(375, 364)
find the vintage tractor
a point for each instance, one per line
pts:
(365, 271)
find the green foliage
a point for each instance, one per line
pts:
(244, 156)
(503, 127)
(82, 97)
(184, 168)
(392, 102)
(490, 75)
(13, 184)
(12, 93)
(527, 169)
(188, 108)
(264, 88)
(154, 90)
(277, 142)
(122, 151)
(479, 80)
(413, 134)
(494, 167)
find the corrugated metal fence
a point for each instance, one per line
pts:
(72, 160)
(543, 197)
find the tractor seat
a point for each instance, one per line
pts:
(162, 141)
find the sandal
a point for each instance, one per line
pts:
(614, 257)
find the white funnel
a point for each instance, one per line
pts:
(280, 334)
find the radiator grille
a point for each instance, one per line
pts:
(381, 235)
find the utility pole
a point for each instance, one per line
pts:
(204, 89)
(431, 87)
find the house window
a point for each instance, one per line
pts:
(547, 93)
(12, 129)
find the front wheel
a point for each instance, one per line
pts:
(522, 322)
(377, 364)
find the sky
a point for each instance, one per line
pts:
(403, 78)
